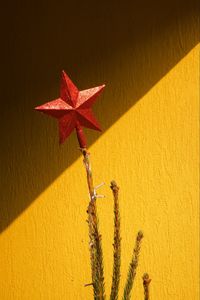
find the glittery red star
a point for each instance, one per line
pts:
(73, 109)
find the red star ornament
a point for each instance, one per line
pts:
(73, 109)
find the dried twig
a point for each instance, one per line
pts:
(116, 244)
(96, 254)
(88, 284)
(146, 282)
(132, 267)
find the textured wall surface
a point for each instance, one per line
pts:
(149, 58)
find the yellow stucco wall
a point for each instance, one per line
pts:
(150, 149)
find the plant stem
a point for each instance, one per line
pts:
(96, 254)
(146, 282)
(116, 244)
(132, 267)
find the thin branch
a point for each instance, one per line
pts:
(146, 282)
(88, 284)
(116, 244)
(96, 254)
(132, 267)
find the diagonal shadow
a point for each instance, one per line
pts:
(129, 45)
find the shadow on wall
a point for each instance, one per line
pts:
(129, 45)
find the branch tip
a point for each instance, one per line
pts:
(114, 187)
(146, 278)
(146, 282)
(140, 235)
